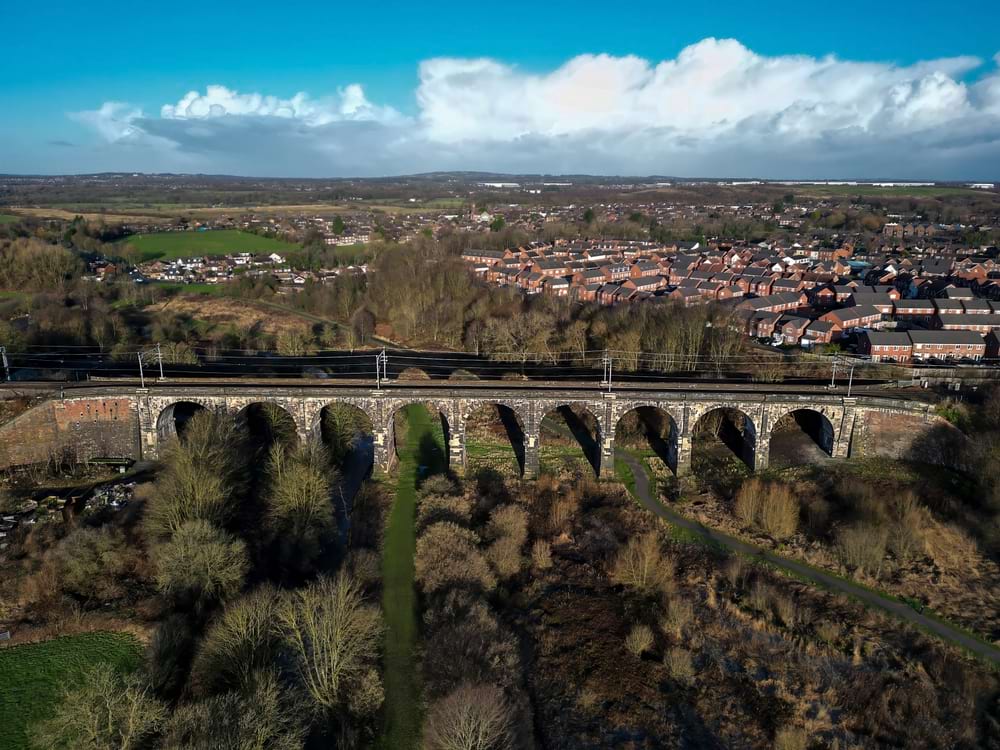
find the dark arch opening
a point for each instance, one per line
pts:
(432, 445)
(494, 439)
(724, 431)
(800, 437)
(649, 428)
(174, 419)
(348, 435)
(266, 424)
(567, 434)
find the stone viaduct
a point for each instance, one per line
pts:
(842, 422)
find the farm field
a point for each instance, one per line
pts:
(8, 219)
(33, 676)
(170, 245)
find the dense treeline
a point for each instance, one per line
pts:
(268, 633)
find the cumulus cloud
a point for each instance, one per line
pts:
(717, 109)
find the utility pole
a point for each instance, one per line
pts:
(142, 378)
(159, 359)
(381, 368)
(833, 375)
(6, 365)
(850, 379)
(606, 361)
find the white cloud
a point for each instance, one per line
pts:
(349, 103)
(718, 108)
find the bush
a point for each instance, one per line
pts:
(639, 640)
(749, 500)
(472, 717)
(91, 564)
(448, 555)
(508, 522)
(861, 547)
(679, 664)
(791, 738)
(505, 557)
(200, 563)
(434, 508)
(541, 555)
(679, 612)
(641, 565)
(779, 515)
(771, 506)
(299, 514)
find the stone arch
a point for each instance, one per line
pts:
(347, 431)
(445, 417)
(788, 427)
(576, 422)
(267, 422)
(171, 418)
(508, 418)
(655, 427)
(730, 426)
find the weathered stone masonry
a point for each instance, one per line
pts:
(135, 423)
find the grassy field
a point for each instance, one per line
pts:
(422, 454)
(32, 676)
(170, 245)
(8, 219)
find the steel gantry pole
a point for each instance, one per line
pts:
(606, 362)
(6, 365)
(142, 378)
(159, 359)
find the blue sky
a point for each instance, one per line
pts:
(62, 60)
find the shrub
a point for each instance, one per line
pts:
(639, 639)
(434, 508)
(779, 515)
(200, 563)
(472, 717)
(861, 547)
(508, 522)
(505, 557)
(541, 555)
(791, 738)
(749, 500)
(679, 664)
(641, 565)
(679, 612)
(448, 555)
(560, 513)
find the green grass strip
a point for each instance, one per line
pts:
(33, 676)
(399, 598)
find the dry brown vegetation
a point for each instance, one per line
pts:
(717, 651)
(910, 530)
(226, 312)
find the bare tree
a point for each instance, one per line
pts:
(106, 710)
(334, 636)
(473, 717)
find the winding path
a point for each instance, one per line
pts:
(830, 582)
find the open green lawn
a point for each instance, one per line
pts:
(33, 676)
(8, 219)
(170, 245)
